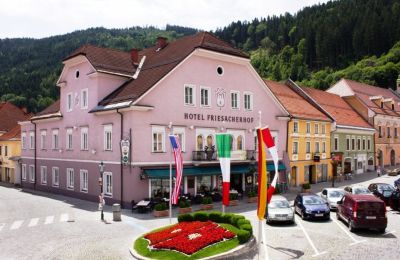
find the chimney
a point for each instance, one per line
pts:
(135, 55)
(161, 43)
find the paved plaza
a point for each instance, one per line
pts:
(35, 225)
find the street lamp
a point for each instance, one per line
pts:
(101, 198)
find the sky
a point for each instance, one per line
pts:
(43, 18)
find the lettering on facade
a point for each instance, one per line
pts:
(218, 118)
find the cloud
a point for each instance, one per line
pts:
(41, 18)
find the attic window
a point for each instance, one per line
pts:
(220, 70)
(77, 74)
(392, 106)
(381, 104)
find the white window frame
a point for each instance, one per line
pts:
(84, 134)
(107, 135)
(250, 101)
(316, 145)
(55, 140)
(364, 143)
(158, 130)
(31, 140)
(55, 170)
(193, 87)
(308, 128)
(32, 173)
(43, 134)
(107, 188)
(295, 151)
(23, 140)
(348, 141)
(295, 127)
(336, 143)
(237, 93)
(43, 175)
(68, 140)
(316, 128)
(23, 172)
(208, 98)
(323, 128)
(70, 98)
(324, 147)
(308, 147)
(180, 131)
(70, 173)
(84, 181)
(369, 144)
(84, 102)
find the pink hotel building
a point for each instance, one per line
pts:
(194, 87)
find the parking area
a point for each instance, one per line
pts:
(331, 239)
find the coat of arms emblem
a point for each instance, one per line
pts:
(220, 95)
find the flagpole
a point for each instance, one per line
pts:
(259, 221)
(170, 176)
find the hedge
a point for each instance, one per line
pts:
(239, 221)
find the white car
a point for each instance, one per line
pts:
(358, 189)
(279, 210)
(332, 196)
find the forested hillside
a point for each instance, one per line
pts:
(29, 68)
(332, 35)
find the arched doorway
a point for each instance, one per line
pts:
(293, 176)
(380, 158)
(347, 165)
(392, 158)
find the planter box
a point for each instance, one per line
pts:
(306, 190)
(233, 202)
(162, 213)
(252, 200)
(207, 206)
(185, 210)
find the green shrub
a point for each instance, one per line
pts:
(160, 206)
(277, 190)
(215, 216)
(252, 194)
(206, 200)
(235, 219)
(226, 218)
(184, 204)
(241, 222)
(185, 217)
(200, 216)
(243, 236)
(247, 227)
(306, 186)
(233, 196)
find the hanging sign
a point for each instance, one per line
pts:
(125, 144)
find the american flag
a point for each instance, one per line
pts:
(178, 166)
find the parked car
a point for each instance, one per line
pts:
(394, 200)
(357, 189)
(382, 191)
(310, 205)
(332, 196)
(279, 210)
(397, 184)
(362, 211)
(393, 172)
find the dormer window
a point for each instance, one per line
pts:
(392, 106)
(381, 104)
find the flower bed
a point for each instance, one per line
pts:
(189, 237)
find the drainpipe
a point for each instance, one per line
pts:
(34, 156)
(120, 150)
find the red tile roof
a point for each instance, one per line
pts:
(296, 105)
(10, 115)
(53, 108)
(337, 107)
(364, 92)
(14, 133)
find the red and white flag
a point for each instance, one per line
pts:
(269, 142)
(178, 167)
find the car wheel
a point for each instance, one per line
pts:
(382, 230)
(303, 216)
(351, 226)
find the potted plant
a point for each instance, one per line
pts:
(160, 210)
(207, 203)
(252, 197)
(184, 207)
(233, 199)
(306, 187)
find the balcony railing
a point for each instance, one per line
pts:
(239, 155)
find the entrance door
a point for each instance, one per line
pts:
(347, 166)
(324, 173)
(236, 182)
(310, 175)
(293, 176)
(392, 158)
(191, 185)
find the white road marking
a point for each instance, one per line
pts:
(386, 233)
(317, 253)
(16, 224)
(33, 222)
(64, 217)
(281, 228)
(49, 220)
(355, 241)
(2, 226)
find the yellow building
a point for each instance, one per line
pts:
(308, 138)
(10, 151)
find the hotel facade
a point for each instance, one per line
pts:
(194, 87)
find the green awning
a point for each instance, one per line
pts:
(206, 171)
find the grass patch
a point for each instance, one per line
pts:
(141, 246)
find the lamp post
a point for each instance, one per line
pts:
(101, 167)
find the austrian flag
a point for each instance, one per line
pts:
(224, 143)
(269, 142)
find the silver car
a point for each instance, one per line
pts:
(279, 210)
(332, 196)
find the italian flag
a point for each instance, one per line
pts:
(224, 143)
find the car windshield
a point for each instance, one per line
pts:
(361, 190)
(312, 200)
(335, 194)
(383, 188)
(278, 204)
